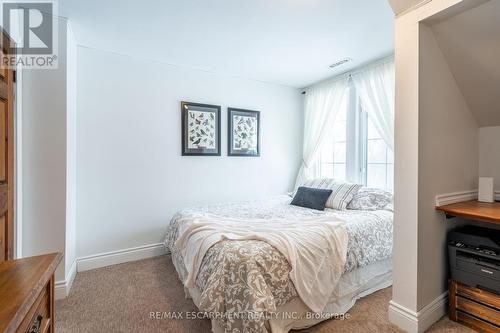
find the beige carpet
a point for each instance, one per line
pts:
(120, 298)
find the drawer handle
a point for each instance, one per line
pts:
(486, 271)
(37, 325)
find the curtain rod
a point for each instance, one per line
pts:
(354, 71)
(349, 76)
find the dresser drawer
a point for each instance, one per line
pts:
(27, 291)
(39, 318)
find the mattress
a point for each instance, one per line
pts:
(251, 277)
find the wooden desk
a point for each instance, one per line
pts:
(27, 294)
(474, 210)
(470, 306)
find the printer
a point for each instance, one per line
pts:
(474, 256)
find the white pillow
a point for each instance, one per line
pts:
(371, 199)
(342, 193)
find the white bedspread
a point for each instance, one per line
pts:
(315, 247)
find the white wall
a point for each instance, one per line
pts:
(468, 41)
(430, 113)
(71, 91)
(405, 166)
(489, 153)
(448, 161)
(131, 177)
(48, 154)
(44, 158)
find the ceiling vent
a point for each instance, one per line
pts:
(340, 62)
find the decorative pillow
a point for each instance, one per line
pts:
(371, 199)
(342, 193)
(313, 198)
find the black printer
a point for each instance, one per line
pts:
(474, 255)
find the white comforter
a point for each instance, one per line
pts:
(315, 248)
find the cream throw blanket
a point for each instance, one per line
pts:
(315, 247)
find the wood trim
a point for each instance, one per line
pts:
(42, 297)
(4, 88)
(3, 147)
(453, 300)
(475, 323)
(51, 306)
(7, 95)
(484, 312)
(474, 308)
(21, 282)
(477, 294)
(4, 198)
(2, 237)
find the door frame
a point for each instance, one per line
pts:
(13, 168)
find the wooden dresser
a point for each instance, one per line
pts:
(27, 294)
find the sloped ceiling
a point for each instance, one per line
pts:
(399, 6)
(471, 44)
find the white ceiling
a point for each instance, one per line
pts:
(289, 42)
(471, 44)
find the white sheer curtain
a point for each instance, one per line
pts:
(322, 103)
(375, 87)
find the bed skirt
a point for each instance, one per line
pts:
(352, 286)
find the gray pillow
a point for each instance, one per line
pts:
(311, 198)
(371, 199)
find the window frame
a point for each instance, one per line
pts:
(356, 142)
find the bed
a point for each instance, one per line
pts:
(244, 285)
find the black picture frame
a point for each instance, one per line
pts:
(198, 123)
(232, 150)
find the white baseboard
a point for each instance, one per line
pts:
(119, 257)
(455, 197)
(418, 322)
(62, 288)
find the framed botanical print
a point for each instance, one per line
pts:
(200, 129)
(243, 132)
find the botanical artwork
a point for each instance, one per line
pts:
(243, 130)
(201, 130)
(244, 133)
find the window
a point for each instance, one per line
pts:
(333, 156)
(354, 150)
(379, 160)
